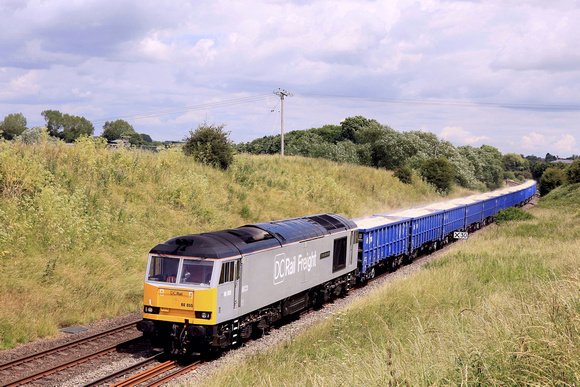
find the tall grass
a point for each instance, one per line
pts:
(78, 221)
(500, 309)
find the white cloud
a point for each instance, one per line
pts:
(125, 58)
(459, 135)
(566, 145)
(534, 141)
(560, 144)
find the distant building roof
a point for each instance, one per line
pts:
(565, 161)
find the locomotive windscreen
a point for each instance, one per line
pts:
(163, 269)
(196, 272)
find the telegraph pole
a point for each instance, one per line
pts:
(282, 93)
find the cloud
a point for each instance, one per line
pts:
(566, 145)
(459, 135)
(562, 144)
(121, 58)
(533, 141)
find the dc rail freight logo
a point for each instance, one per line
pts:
(286, 266)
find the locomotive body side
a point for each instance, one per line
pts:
(294, 268)
(211, 289)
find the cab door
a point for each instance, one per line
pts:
(228, 290)
(237, 284)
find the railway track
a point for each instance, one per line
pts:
(156, 375)
(29, 368)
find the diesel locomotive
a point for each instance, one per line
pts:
(213, 290)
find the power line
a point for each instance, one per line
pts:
(450, 103)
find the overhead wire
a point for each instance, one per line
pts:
(449, 103)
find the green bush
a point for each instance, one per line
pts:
(209, 144)
(551, 178)
(512, 213)
(573, 172)
(509, 175)
(404, 174)
(438, 172)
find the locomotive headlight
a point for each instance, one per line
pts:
(203, 315)
(151, 309)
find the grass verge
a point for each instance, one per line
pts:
(500, 309)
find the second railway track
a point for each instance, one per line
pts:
(34, 368)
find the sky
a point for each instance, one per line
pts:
(502, 73)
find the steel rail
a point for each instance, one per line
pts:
(125, 370)
(174, 375)
(49, 351)
(147, 374)
(61, 367)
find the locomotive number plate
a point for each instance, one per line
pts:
(460, 235)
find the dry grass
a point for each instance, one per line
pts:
(502, 309)
(78, 221)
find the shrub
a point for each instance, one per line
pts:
(404, 174)
(573, 172)
(438, 172)
(509, 175)
(512, 213)
(35, 135)
(209, 144)
(551, 178)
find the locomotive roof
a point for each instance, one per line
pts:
(254, 237)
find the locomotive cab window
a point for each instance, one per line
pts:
(163, 269)
(196, 272)
(229, 272)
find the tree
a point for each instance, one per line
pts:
(487, 164)
(438, 172)
(573, 172)
(209, 144)
(135, 139)
(146, 137)
(75, 127)
(532, 159)
(53, 120)
(539, 168)
(552, 178)
(330, 133)
(351, 125)
(114, 130)
(66, 126)
(515, 163)
(12, 126)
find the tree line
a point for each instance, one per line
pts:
(68, 128)
(365, 141)
(356, 140)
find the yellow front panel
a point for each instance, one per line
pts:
(177, 305)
